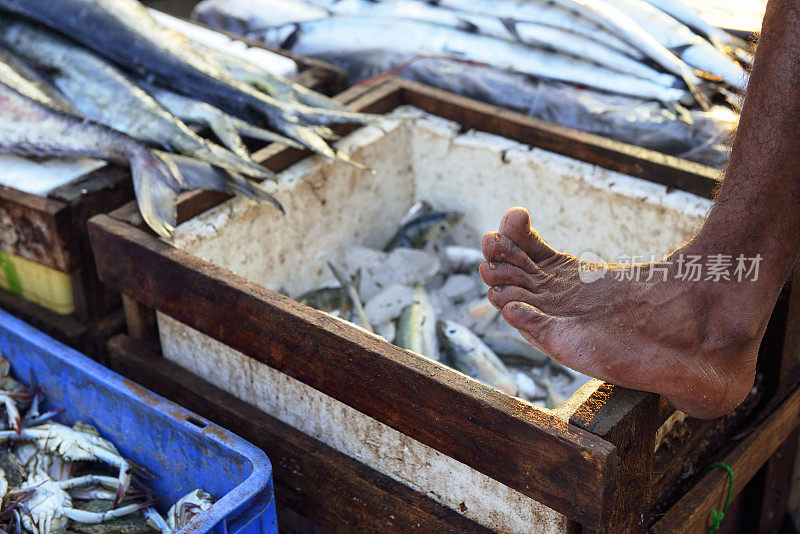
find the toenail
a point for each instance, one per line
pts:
(496, 238)
(497, 289)
(491, 265)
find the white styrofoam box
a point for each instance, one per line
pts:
(575, 205)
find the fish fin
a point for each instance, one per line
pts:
(331, 116)
(326, 133)
(221, 157)
(248, 130)
(202, 175)
(223, 128)
(700, 94)
(309, 139)
(156, 188)
(467, 26)
(292, 39)
(511, 25)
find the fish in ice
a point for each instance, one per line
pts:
(18, 76)
(419, 208)
(124, 32)
(416, 327)
(426, 228)
(101, 93)
(380, 270)
(465, 351)
(328, 299)
(512, 348)
(357, 34)
(387, 305)
(30, 128)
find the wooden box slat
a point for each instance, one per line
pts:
(330, 490)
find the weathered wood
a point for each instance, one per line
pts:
(628, 419)
(37, 229)
(778, 481)
(629, 159)
(141, 321)
(328, 490)
(691, 512)
(693, 443)
(556, 463)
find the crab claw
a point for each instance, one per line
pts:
(124, 482)
(14, 418)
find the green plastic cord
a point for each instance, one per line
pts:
(717, 517)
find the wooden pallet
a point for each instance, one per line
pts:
(599, 469)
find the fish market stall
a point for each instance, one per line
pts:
(48, 275)
(212, 302)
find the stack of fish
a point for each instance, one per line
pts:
(425, 295)
(639, 48)
(54, 477)
(641, 71)
(103, 78)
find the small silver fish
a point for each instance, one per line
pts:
(420, 231)
(416, 327)
(327, 299)
(466, 352)
(511, 349)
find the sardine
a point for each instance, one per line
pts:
(327, 299)
(17, 75)
(515, 350)
(426, 228)
(227, 128)
(350, 288)
(123, 31)
(464, 351)
(357, 34)
(101, 93)
(419, 208)
(30, 128)
(416, 327)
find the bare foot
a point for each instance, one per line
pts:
(694, 342)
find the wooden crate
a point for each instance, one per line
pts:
(51, 233)
(600, 468)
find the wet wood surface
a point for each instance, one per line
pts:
(317, 489)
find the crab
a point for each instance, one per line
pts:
(181, 513)
(48, 506)
(11, 392)
(79, 443)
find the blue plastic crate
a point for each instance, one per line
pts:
(183, 449)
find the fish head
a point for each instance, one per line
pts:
(440, 224)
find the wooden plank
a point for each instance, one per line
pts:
(141, 321)
(628, 159)
(551, 461)
(98, 192)
(774, 494)
(331, 491)
(629, 419)
(37, 229)
(691, 512)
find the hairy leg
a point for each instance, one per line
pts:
(694, 341)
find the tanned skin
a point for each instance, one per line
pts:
(695, 342)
